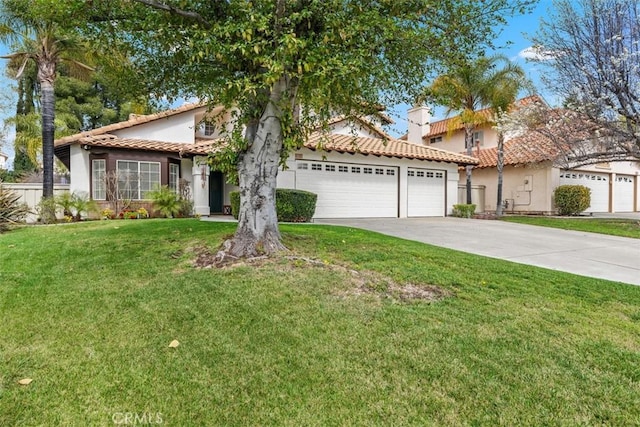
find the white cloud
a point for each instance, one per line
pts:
(535, 53)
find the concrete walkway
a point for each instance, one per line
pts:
(587, 254)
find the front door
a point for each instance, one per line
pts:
(216, 192)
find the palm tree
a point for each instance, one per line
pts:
(467, 88)
(46, 45)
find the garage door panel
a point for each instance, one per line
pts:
(350, 190)
(624, 194)
(597, 182)
(425, 192)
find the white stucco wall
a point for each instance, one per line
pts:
(345, 127)
(200, 186)
(177, 128)
(455, 142)
(527, 188)
(80, 171)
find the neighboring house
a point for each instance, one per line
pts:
(359, 172)
(531, 174)
(3, 160)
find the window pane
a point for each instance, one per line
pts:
(174, 176)
(149, 177)
(98, 179)
(127, 179)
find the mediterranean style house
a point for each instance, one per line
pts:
(530, 174)
(360, 171)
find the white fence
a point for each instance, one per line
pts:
(477, 196)
(31, 193)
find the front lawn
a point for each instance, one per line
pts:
(614, 227)
(325, 337)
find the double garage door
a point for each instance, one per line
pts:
(599, 183)
(352, 190)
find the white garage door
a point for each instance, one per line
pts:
(426, 192)
(597, 182)
(348, 190)
(623, 193)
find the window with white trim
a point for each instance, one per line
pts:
(209, 129)
(368, 170)
(343, 169)
(174, 176)
(316, 167)
(136, 179)
(98, 184)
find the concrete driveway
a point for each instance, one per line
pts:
(587, 254)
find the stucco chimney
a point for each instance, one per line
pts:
(418, 118)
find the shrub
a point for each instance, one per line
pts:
(47, 210)
(11, 210)
(463, 211)
(165, 201)
(572, 199)
(74, 204)
(186, 199)
(291, 205)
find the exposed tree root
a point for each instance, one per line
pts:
(358, 282)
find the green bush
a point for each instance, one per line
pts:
(165, 201)
(291, 205)
(11, 210)
(572, 199)
(47, 210)
(463, 211)
(75, 204)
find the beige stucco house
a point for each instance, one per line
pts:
(530, 173)
(359, 172)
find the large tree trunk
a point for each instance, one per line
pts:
(468, 140)
(258, 231)
(46, 77)
(48, 114)
(500, 167)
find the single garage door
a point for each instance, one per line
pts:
(350, 190)
(425, 192)
(597, 182)
(623, 193)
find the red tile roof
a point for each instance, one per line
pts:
(527, 149)
(134, 120)
(317, 141)
(451, 124)
(387, 148)
(200, 147)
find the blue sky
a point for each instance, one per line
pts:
(515, 32)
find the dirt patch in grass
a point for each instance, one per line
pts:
(358, 282)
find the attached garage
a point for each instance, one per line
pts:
(350, 190)
(426, 192)
(624, 193)
(597, 182)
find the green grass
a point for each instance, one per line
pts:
(88, 311)
(614, 227)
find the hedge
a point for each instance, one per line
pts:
(572, 199)
(291, 205)
(463, 211)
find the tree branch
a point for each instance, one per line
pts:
(176, 11)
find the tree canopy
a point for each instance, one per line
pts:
(592, 50)
(285, 67)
